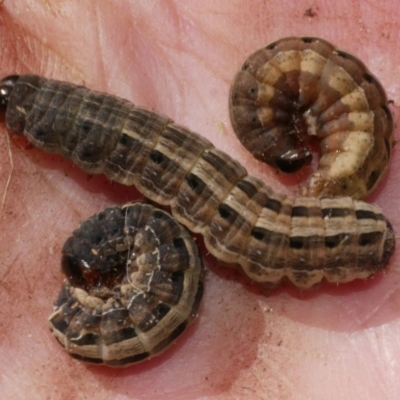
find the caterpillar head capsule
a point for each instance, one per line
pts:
(6, 87)
(293, 160)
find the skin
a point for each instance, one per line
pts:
(179, 58)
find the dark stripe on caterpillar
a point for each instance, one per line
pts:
(206, 189)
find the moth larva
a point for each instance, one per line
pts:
(134, 283)
(301, 88)
(269, 235)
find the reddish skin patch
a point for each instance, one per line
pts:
(179, 59)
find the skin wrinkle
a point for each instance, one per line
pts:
(11, 161)
(385, 299)
(99, 43)
(294, 313)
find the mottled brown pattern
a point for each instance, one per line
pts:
(269, 235)
(106, 316)
(134, 282)
(301, 88)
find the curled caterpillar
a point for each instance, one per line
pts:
(296, 89)
(134, 283)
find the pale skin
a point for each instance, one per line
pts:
(179, 58)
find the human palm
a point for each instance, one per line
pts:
(179, 58)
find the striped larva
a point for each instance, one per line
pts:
(301, 88)
(134, 283)
(269, 235)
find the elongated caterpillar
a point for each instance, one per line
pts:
(270, 235)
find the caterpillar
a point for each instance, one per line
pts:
(268, 235)
(298, 89)
(134, 283)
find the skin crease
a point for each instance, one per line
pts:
(179, 58)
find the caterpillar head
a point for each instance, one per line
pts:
(6, 87)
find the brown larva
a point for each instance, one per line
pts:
(269, 235)
(134, 283)
(301, 88)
